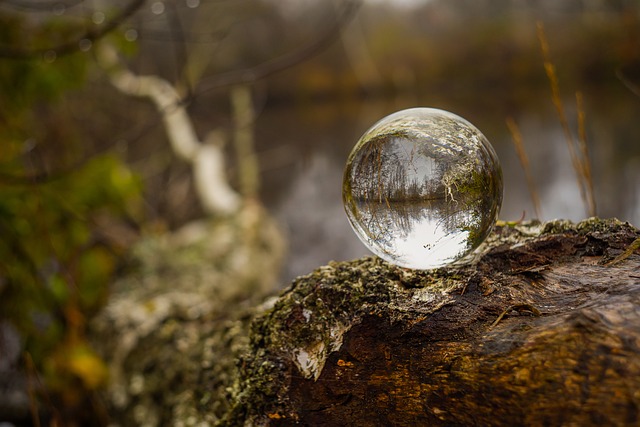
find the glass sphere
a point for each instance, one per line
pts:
(422, 188)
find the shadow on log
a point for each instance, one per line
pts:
(541, 328)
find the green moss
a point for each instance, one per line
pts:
(594, 224)
(589, 225)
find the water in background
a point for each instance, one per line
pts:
(480, 60)
(303, 153)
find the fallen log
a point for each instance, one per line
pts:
(539, 330)
(542, 327)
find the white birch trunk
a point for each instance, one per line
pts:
(207, 159)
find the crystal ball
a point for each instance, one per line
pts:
(422, 188)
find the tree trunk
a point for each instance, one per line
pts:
(541, 328)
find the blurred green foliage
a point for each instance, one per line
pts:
(56, 261)
(50, 256)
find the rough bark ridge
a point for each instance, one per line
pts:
(542, 328)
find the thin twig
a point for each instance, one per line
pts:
(634, 246)
(179, 47)
(248, 165)
(633, 87)
(519, 308)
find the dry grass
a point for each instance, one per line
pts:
(516, 136)
(585, 163)
(578, 150)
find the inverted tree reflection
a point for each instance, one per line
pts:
(412, 193)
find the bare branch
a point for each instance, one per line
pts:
(93, 34)
(283, 62)
(243, 112)
(40, 5)
(210, 179)
(183, 138)
(207, 160)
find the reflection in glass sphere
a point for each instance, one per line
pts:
(422, 188)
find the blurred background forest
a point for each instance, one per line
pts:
(86, 170)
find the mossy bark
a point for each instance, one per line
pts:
(542, 327)
(537, 330)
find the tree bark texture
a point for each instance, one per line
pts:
(541, 327)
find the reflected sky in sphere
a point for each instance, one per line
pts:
(422, 188)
